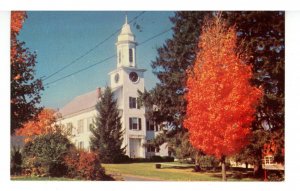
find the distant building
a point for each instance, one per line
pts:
(125, 81)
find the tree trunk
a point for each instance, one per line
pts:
(224, 178)
(197, 164)
(257, 170)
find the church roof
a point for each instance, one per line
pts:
(81, 103)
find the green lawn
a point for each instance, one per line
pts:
(168, 173)
(172, 172)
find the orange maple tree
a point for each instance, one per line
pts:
(17, 19)
(25, 88)
(221, 101)
(43, 124)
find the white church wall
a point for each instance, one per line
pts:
(80, 136)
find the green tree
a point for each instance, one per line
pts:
(25, 88)
(263, 35)
(174, 58)
(107, 132)
(45, 153)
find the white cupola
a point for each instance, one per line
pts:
(126, 47)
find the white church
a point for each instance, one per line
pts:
(125, 81)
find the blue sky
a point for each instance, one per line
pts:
(60, 37)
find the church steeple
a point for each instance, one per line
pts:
(126, 46)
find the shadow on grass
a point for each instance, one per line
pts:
(177, 167)
(235, 175)
(36, 178)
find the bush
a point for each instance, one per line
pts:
(15, 161)
(44, 155)
(123, 159)
(208, 162)
(84, 165)
(275, 175)
(156, 159)
(168, 159)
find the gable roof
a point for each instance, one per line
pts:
(81, 103)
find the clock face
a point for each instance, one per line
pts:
(117, 77)
(133, 76)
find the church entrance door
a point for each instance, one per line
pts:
(135, 147)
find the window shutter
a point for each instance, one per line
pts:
(140, 124)
(130, 123)
(138, 102)
(147, 125)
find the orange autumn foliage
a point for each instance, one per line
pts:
(17, 19)
(221, 101)
(43, 124)
(85, 165)
(16, 24)
(271, 149)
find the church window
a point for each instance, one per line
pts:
(117, 77)
(69, 127)
(132, 102)
(81, 145)
(135, 123)
(80, 126)
(150, 126)
(130, 55)
(119, 56)
(89, 123)
(150, 148)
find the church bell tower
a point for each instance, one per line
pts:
(125, 81)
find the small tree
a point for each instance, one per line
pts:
(221, 101)
(45, 154)
(84, 165)
(107, 132)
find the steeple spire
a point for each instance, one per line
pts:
(126, 45)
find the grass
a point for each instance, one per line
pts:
(178, 172)
(34, 178)
(174, 171)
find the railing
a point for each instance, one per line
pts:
(269, 164)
